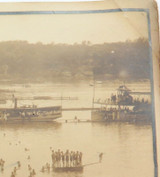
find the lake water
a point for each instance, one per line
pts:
(127, 148)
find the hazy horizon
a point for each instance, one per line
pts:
(89, 43)
(75, 28)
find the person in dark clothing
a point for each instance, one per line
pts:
(100, 157)
(80, 158)
(67, 158)
(63, 158)
(71, 158)
(53, 157)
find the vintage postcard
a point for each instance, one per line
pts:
(78, 89)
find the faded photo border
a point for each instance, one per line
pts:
(150, 54)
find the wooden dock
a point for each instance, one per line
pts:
(68, 169)
(79, 109)
(73, 169)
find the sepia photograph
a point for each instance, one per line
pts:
(76, 95)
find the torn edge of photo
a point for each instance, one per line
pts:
(79, 89)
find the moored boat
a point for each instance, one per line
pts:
(29, 114)
(122, 107)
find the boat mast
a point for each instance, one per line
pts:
(93, 93)
(15, 103)
(61, 99)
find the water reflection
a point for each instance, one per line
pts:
(127, 148)
(30, 125)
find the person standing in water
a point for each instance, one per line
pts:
(71, 158)
(63, 158)
(67, 158)
(80, 158)
(100, 157)
(53, 157)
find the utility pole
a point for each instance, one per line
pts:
(61, 99)
(93, 93)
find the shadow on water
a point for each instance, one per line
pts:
(57, 125)
(31, 125)
(135, 124)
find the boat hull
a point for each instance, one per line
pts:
(49, 118)
(107, 116)
(30, 114)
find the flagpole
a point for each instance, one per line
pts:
(93, 94)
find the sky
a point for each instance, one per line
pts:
(96, 28)
(46, 0)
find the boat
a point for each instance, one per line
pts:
(122, 107)
(68, 169)
(29, 114)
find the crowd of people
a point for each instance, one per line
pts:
(66, 159)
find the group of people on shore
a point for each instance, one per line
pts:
(66, 159)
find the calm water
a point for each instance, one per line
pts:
(127, 148)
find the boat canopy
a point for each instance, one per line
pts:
(123, 88)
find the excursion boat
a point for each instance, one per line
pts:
(29, 114)
(122, 107)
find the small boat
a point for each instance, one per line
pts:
(68, 169)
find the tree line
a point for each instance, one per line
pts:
(23, 61)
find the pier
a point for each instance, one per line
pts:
(79, 109)
(68, 98)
